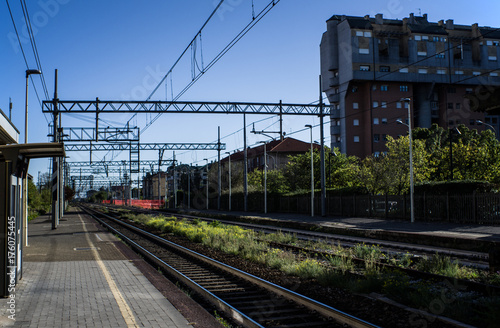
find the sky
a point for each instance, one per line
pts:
(121, 51)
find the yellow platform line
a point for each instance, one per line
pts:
(125, 310)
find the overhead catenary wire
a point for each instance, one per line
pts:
(24, 56)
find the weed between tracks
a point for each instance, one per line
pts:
(339, 269)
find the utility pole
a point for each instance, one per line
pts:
(245, 165)
(219, 173)
(54, 178)
(322, 151)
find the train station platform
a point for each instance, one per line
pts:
(81, 276)
(470, 236)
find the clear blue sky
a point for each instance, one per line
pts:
(119, 50)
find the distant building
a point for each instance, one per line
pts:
(277, 154)
(368, 64)
(150, 188)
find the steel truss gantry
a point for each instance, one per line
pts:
(114, 106)
(145, 146)
(72, 134)
(166, 162)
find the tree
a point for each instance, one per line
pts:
(276, 181)
(341, 170)
(390, 173)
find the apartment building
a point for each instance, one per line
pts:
(368, 64)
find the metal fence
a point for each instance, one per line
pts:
(463, 208)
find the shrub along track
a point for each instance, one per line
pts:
(246, 299)
(381, 313)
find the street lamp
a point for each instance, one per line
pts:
(229, 169)
(25, 180)
(412, 208)
(488, 125)
(205, 159)
(265, 176)
(312, 170)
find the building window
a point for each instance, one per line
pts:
(489, 43)
(375, 104)
(425, 37)
(459, 72)
(476, 73)
(384, 88)
(468, 90)
(384, 120)
(384, 137)
(364, 51)
(364, 67)
(493, 74)
(452, 90)
(383, 104)
(376, 154)
(422, 53)
(398, 105)
(406, 105)
(422, 70)
(435, 38)
(375, 121)
(367, 34)
(384, 69)
(356, 138)
(440, 55)
(417, 38)
(403, 70)
(354, 89)
(374, 87)
(403, 88)
(441, 71)
(355, 122)
(355, 105)
(450, 105)
(457, 105)
(376, 137)
(359, 33)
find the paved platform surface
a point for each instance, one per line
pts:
(466, 231)
(77, 276)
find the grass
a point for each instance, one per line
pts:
(339, 270)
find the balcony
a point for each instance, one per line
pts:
(334, 81)
(334, 98)
(335, 130)
(335, 113)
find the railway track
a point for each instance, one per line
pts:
(468, 258)
(246, 299)
(389, 248)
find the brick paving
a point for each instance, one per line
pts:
(75, 276)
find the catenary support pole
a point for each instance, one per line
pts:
(322, 151)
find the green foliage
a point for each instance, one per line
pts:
(276, 182)
(39, 202)
(98, 197)
(465, 186)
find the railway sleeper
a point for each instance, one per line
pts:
(307, 324)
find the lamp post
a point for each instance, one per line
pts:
(265, 176)
(488, 125)
(412, 208)
(312, 170)
(205, 159)
(25, 180)
(229, 169)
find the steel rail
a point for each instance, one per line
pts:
(221, 305)
(323, 309)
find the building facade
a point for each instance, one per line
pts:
(369, 64)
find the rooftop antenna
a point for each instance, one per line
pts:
(419, 12)
(10, 109)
